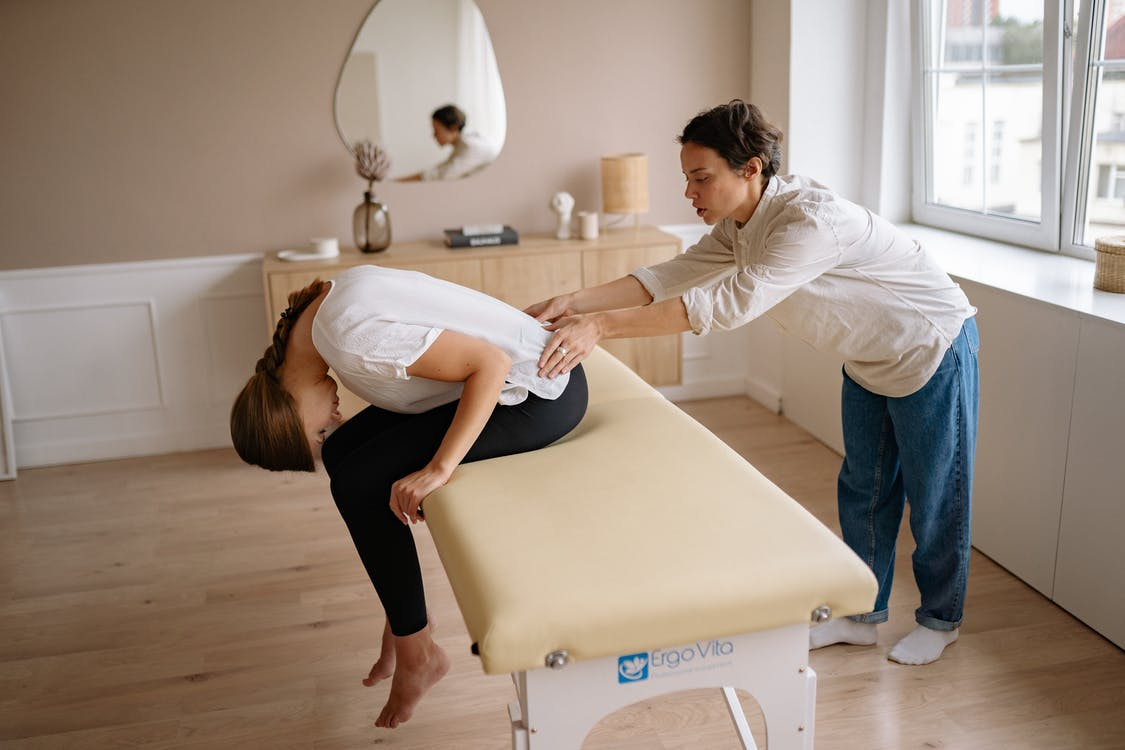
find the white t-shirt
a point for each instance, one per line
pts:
(837, 276)
(472, 153)
(376, 322)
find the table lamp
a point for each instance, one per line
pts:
(625, 185)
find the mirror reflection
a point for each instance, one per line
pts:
(421, 81)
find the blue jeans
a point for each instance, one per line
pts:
(918, 447)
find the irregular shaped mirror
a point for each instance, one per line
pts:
(412, 68)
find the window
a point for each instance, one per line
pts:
(1095, 177)
(1023, 112)
(990, 79)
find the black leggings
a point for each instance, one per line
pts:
(376, 448)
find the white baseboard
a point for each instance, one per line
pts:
(760, 391)
(764, 393)
(60, 451)
(692, 391)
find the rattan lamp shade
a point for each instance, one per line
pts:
(625, 184)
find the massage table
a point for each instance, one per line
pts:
(637, 556)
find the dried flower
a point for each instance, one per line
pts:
(371, 162)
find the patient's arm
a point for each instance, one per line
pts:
(483, 368)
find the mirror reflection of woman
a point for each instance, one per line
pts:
(471, 150)
(451, 376)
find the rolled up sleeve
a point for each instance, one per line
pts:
(801, 246)
(712, 256)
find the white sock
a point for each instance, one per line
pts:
(922, 646)
(842, 630)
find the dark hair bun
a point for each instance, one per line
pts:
(738, 131)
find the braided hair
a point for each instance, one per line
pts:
(738, 131)
(265, 424)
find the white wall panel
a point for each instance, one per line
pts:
(80, 360)
(128, 359)
(765, 364)
(810, 392)
(231, 323)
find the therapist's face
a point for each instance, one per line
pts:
(717, 191)
(443, 135)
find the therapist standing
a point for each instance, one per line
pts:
(849, 283)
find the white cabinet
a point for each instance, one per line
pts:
(1090, 575)
(1027, 376)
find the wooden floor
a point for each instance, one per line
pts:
(188, 601)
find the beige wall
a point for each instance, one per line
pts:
(146, 129)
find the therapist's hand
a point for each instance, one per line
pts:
(575, 337)
(552, 309)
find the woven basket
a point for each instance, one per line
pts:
(1109, 269)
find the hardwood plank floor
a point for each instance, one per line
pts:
(189, 601)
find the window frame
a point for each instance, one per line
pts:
(1078, 145)
(1043, 234)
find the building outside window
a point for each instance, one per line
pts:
(1024, 120)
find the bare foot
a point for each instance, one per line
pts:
(385, 666)
(421, 664)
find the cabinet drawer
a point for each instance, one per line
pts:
(521, 281)
(600, 266)
(463, 272)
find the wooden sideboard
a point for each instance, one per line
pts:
(539, 267)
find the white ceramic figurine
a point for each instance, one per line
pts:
(562, 204)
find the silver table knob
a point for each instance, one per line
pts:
(557, 659)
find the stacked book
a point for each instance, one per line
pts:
(478, 235)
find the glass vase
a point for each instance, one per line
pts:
(372, 224)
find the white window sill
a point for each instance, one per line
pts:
(1048, 277)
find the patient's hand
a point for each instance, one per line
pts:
(408, 493)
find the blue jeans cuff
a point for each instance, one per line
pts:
(934, 624)
(872, 618)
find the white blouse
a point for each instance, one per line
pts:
(472, 153)
(376, 322)
(831, 272)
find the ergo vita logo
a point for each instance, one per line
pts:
(661, 662)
